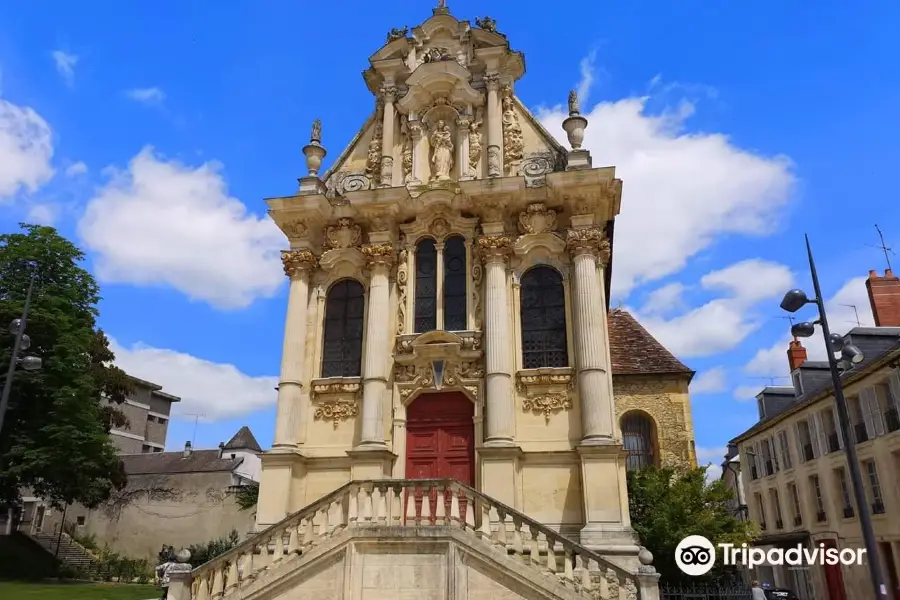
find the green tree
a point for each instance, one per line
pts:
(668, 504)
(55, 436)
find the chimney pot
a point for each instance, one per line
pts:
(187, 449)
(221, 449)
(873, 273)
(884, 298)
(796, 355)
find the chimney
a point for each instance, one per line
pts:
(884, 296)
(221, 449)
(187, 449)
(796, 354)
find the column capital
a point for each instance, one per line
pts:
(492, 81)
(589, 240)
(379, 256)
(494, 247)
(390, 93)
(297, 262)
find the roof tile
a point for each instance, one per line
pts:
(635, 352)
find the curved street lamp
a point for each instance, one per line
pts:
(22, 342)
(850, 355)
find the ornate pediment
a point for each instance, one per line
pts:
(438, 360)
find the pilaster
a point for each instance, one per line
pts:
(462, 147)
(282, 479)
(389, 93)
(419, 160)
(494, 125)
(500, 473)
(607, 527)
(293, 404)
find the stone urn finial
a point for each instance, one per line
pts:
(575, 124)
(183, 556)
(314, 151)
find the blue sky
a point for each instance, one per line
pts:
(150, 132)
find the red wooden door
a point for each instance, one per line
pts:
(834, 577)
(440, 442)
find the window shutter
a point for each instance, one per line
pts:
(757, 457)
(799, 440)
(773, 450)
(871, 414)
(820, 444)
(837, 427)
(894, 384)
(776, 450)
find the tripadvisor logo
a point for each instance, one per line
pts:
(695, 555)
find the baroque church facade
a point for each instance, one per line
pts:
(448, 319)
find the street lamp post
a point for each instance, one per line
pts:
(22, 342)
(793, 301)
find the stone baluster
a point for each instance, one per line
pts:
(494, 125)
(380, 257)
(588, 247)
(500, 421)
(387, 140)
(290, 409)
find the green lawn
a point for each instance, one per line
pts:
(76, 591)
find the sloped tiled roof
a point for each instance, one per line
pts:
(635, 352)
(243, 440)
(166, 463)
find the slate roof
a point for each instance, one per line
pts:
(635, 352)
(879, 345)
(243, 440)
(168, 463)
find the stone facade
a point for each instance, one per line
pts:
(148, 410)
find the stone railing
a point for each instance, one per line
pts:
(416, 503)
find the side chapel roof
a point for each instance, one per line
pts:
(635, 352)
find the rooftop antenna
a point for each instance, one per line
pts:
(855, 312)
(790, 319)
(196, 420)
(883, 247)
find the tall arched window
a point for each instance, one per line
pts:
(455, 284)
(543, 319)
(342, 346)
(638, 437)
(426, 286)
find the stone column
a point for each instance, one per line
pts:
(290, 410)
(462, 146)
(588, 246)
(419, 161)
(500, 404)
(380, 258)
(494, 125)
(387, 139)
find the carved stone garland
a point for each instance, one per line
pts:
(477, 275)
(407, 151)
(336, 401)
(475, 145)
(546, 391)
(402, 287)
(513, 141)
(373, 157)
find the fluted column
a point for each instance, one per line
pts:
(290, 410)
(380, 258)
(588, 246)
(494, 125)
(500, 407)
(387, 140)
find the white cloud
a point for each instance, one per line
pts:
(747, 393)
(664, 299)
(65, 65)
(152, 95)
(773, 362)
(724, 322)
(76, 169)
(43, 214)
(26, 148)
(586, 67)
(682, 190)
(712, 457)
(161, 222)
(215, 390)
(710, 382)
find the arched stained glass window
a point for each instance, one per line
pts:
(543, 319)
(638, 438)
(343, 336)
(455, 284)
(426, 286)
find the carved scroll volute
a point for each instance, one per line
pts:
(402, 288)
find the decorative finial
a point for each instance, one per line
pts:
(442, 4)
(574, 108)
(313, 151)
(486, 23)
(396, 34)
(441, 8)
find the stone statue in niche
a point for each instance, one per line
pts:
(475, 138)
(442, 152)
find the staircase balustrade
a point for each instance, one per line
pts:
(393, 503)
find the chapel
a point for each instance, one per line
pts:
(455, 389)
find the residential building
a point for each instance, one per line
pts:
(448, 329)
(148, 410)
(794, 467)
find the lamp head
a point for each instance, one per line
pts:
(794, 300)
(852, 354)
(836, 341)
(14, 326)
(802, 330)
(31, 363)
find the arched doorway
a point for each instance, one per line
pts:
(440, 437)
